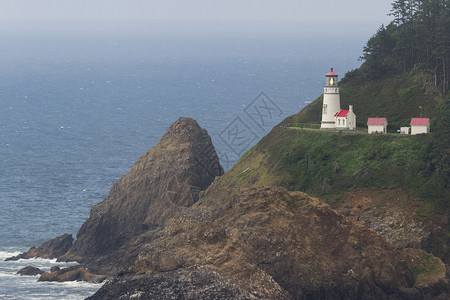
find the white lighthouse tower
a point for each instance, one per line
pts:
(331, 101)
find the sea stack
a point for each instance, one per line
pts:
(161, 184)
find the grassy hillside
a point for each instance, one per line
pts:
(406, 68)
(328, 163)
(398, 98)
(404, 171)
(404, 75)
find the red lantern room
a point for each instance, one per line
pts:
(332, 78)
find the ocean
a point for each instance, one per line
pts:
(78, 109)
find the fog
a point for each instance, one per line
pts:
(194, 10)
(346, 17)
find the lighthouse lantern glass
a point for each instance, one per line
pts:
(332, 81)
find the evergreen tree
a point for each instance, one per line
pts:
(418, 37)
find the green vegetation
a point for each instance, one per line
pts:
(425, 267)
(398, 99)
(408, 172)
(328, 163)
(405, 74)
(406, 68)
(418, 38)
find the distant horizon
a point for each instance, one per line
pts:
(267, 18)
(195, 10)
(241, 27)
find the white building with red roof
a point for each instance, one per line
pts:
(331, 101)
(420, 125)
(333, 117)
(345, 119)
(377, 125)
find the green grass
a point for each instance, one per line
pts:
(397, 98)
(332, 165)
(426, 268)
(310, 160)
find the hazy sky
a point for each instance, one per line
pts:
(198, 10)
(325, 13)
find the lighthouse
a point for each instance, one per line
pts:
(331, 101)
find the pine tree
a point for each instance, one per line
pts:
(418, 37)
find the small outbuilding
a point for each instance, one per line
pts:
(405, 130)
(345, 119)
(377, 125)
(420, 125)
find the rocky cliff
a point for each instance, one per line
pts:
(173, 229)
(162, 183)
(264, 243)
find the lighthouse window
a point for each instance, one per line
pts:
(324, 109)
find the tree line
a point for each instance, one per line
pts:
(418, 37)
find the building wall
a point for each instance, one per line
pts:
(418, 129)
(346, 123)
(351, 120)
(341, 122)
(376, 128)
(404, 130)
(331, 105)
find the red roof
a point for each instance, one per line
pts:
(420, 121)
(376, 121)
(331, 73)
(341, 113)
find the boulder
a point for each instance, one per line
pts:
(30, 271)
(53, 248)
(73, 273)
(55, 269)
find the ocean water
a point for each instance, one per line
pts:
(77, 111)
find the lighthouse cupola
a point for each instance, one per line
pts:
(331, 100)
(332, 79)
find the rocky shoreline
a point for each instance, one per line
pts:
(174, 227)
(51, 249)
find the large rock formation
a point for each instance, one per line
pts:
(270, 244)
(161, 184)
(390, 212)
(168, 230)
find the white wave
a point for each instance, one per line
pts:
(8, 274)
(13, 286)
(32, 261)
(71, 284)
(40, 260)
(5, 254)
